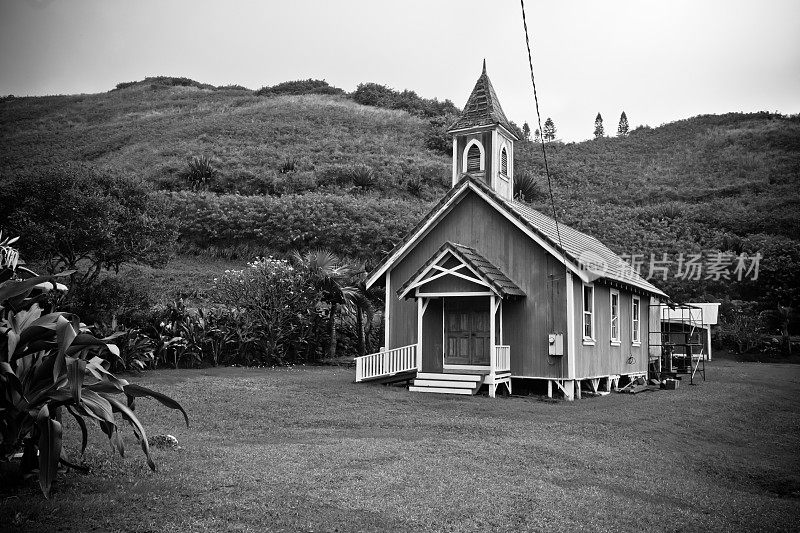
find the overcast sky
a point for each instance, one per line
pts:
(659, 61)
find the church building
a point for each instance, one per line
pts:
(485, 291)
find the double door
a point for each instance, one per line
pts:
(466, 330)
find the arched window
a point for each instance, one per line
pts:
(474, 159)
(504, 161)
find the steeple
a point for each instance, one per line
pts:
(483, 139)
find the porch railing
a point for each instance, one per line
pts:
(386, 363)
(501, 362)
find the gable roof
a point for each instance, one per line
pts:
(482, 108)
(480, 266)
(577, 246)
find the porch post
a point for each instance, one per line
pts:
(387, 312)
(420, 314)
(501, 321)
(492, 340)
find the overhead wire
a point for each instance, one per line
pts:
(546, 168)
(541, 132)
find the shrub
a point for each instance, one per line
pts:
(414, 186)
(362, 177)
(200, 171)
(75, 218)
(308, 86)
(288, 165)
(49, 363)
(279, 302)
(527, 188)
(363, 228)
(110, 299)
(376, 95)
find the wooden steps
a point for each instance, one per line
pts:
(447, 383)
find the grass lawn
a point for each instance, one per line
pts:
(305, 449)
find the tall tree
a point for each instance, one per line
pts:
(73, 217)
(526, 131)
(549, 132)
(622, 129)
(599, 131)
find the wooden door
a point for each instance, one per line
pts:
(466, 332)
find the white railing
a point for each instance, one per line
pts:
(502, 359)
(386, 363)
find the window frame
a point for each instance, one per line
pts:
(615, 340)
(504, 169)
(465, 159)
(636, 321)
(587, 340)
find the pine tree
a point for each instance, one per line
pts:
(622, 130)
(537, 135)
(599, 131)
(526, 131)
(549, 132)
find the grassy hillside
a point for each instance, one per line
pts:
(297, 171)
(152, 130)
(701, 185)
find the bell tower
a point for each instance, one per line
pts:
(483, 141)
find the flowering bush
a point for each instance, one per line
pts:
(280, 305)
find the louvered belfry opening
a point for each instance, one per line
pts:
(474, 159)
(504, 162)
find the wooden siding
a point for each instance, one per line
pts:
(604, 358)
(526, 321)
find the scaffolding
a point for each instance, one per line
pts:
(676, 344)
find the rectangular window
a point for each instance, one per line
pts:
(588, 313)
(614, 317)
(635, 320)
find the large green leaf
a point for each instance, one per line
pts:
(95, 367)
(49, 449)
(12, 338)
(139, 391)
(82, 424)
(13, 288)
(76, 369)
(129, 415)
(97, 406)
(65, 334)
(83, 342)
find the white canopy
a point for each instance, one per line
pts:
(707, 311)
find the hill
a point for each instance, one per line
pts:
(306, 170)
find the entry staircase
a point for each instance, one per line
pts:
(403, 364)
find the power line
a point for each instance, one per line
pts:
(541, 132)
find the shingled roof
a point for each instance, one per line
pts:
(577, 246)
(489, 273)
(483, 107)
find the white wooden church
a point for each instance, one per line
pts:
(486, 291)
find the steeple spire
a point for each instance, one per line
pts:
(483, 140)
(483, 107)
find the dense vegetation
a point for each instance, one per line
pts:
(302, 165)
(50, 365)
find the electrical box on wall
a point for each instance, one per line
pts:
(556, 343)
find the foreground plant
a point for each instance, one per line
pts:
(50, 363)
